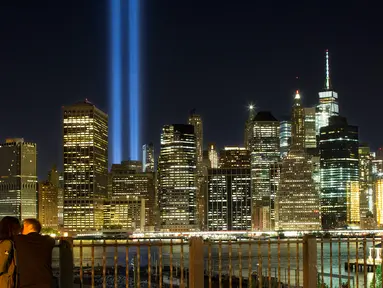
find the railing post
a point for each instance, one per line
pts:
(196, 269)
(66, 263)
(310, 272)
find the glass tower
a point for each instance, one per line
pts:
(18, 179)
(148, 157)
(328, 102)
(85, 166)
(177, 178)
(284, 137)
(339, 173)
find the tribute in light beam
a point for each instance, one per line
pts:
(134, 80)
(115, 82)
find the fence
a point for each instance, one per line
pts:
(307, 262)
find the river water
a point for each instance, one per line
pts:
(290, 266)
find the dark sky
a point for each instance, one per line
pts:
(215, 56)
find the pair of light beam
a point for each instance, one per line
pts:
(116, 106)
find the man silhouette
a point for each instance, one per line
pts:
(34, 255)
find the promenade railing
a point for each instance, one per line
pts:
(307, 262)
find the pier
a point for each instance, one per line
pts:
(361, 265)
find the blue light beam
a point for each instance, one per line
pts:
(134, 81)
(115, 105)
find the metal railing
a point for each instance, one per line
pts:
(307, 262)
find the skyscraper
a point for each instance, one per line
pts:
(177, 178)
(128, 180)
(310, 129)
(85, 166)
(284, 137)
(196, 121)
(265, 155)
(234, 157)
(249, 126)
(328, 101)
(48, 205)
(339, 171)
(18, 179)
(213, 156)
(365, 180)
(297, 201)
(228, 199)
(148, 157)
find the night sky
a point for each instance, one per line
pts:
(215, 56)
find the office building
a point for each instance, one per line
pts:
(196, 121)
(128, 180)
(249, 126)
(284, 137)
(85, 166)
(124, 213)
(148, 157)
(213, 156)
(310, 130)
(339, 171)
(48, 204)
(234, 157)
(297, 200)
(265, 156)
(18, 179)
(228, 199)
(328, 101)
(177, 178)
(366, 183)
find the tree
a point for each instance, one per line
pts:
(378, 278)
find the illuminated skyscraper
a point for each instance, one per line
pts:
(85, 166)
(365, 180)
(234, 157)
(249, 126)
(18, 179)
(128, 180)
(213, 156)
(229, 199)
(379, 200)
(297, 201)
(339, 171)
(177, 178)
(196, 121)
(48, 205)
(265, 155)
(284, 137)
(328, 102)
(310, 132)
(148, 157)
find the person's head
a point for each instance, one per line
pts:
(30, 226)
(9, 227)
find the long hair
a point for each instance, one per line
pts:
(8, 227)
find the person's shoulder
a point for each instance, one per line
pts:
(48, 239)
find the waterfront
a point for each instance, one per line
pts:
(285, 261)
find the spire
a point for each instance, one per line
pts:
(251, 109)
(328, 83)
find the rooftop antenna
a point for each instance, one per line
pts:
(328, 85)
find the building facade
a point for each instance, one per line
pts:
(48, 204)
(125, 213)
(234, 157)
(366, 183)
(265, 171)
(148, 157)
(128, 180)
(18, 179)
(213, 156)
(85, 151)
(297, 201)
(228, 199)
(310, 128)
(339, 169)
(177, 178)
(284, 137)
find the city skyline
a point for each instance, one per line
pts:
(210, 65)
